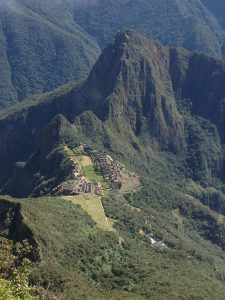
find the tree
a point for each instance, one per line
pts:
(14, 270)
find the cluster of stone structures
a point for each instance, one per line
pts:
(110, 169)
(78, 184)
(76, 187)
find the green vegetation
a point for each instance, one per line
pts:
(38, 175)
(177, 148)
(81, 261)
(44, 45)
(41, 48)
(38, 99)
(91, 174)
(93, 206)
(77, 257)
(14, 271)
(173, 23)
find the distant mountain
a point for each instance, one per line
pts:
(181, 23)
(41, 47)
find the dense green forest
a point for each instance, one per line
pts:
(41, 47)
(187, 24)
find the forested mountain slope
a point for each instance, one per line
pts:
(147, 107)
(181, 23)
(41, 47)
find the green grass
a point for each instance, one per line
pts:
(85, 161)
(69, 152)
(90, 173)
(92, 205)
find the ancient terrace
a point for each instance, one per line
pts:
(93, 172)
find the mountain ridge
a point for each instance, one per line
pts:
(148, 112)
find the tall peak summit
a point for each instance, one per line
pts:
(131, 83)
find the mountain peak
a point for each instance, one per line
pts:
(130, 83)
(59, 131)
(126, 36)
(130, 38)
